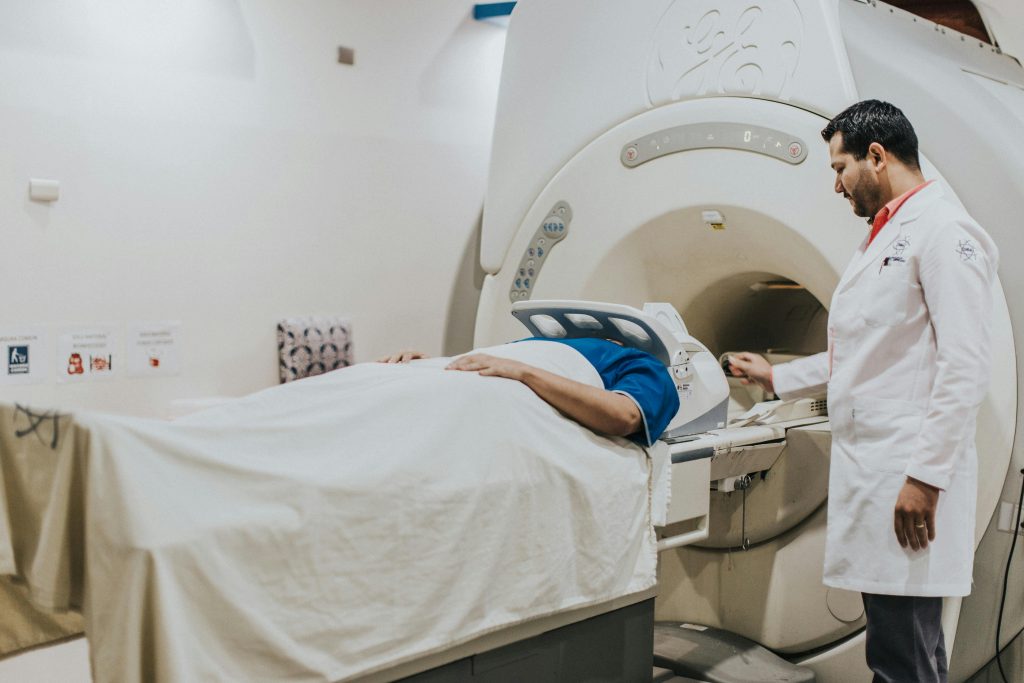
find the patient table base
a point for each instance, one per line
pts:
(615, 646)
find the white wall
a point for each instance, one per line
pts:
(219, 167)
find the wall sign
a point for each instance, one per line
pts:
(87, 353)
(153, 349)
(25, 355)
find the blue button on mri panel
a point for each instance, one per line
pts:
(554, 227)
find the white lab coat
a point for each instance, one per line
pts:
(907, 367)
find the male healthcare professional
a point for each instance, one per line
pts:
(906, 368)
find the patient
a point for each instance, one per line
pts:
(638, 400)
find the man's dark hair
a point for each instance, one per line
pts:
(874, 121)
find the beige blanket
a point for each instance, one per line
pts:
(31, 444)
(323, 529)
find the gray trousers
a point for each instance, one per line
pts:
(904, 639)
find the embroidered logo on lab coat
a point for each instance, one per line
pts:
(967, 250)
(898, 247)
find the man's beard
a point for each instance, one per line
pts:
(860, 210)
(867, 202)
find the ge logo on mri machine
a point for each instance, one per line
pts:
(715, 48)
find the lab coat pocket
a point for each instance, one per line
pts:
(884, 432)
(886, 295)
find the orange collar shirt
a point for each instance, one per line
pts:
(890, 209)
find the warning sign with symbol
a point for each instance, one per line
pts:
(24, 355)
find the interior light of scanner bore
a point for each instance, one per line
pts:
(713, 219)
(775, 285)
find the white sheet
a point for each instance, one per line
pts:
(334, 526)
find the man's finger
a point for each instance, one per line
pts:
(912, 532)
(931, 524)
(737, 371)
(736, 367)
(921, 534)
(898, 528)
(910, 529)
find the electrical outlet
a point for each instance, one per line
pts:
(1008, 517)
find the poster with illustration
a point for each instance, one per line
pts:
(153, 349)
(24, 355)
(87, 353)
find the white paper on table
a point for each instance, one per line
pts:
(25, 355)
(153, 349)
(87, 353)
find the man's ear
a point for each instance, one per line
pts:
(877, 156)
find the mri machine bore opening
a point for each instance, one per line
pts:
(756, 285)
(759, 312)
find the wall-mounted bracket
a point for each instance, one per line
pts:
(490, 10)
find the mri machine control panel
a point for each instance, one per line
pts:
(717, 135)
(550, 232)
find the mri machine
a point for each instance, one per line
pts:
(669, 150)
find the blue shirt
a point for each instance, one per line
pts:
(636, 374)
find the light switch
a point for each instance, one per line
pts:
(1008, 517)
(40, 190)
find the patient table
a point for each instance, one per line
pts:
(303, 534)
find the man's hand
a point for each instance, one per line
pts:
(490, 366)
(402, 357)
(914, 521)
(753, 369)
